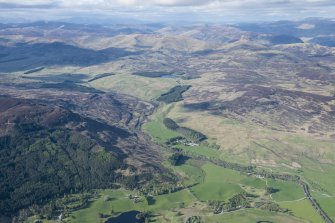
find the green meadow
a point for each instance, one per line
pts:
(287, 191)
(142, 87)
(118, 201)
(303, 209)
(252, 216)
(157, 129)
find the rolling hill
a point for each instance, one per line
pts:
(176, 123)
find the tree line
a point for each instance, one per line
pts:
(174, 94)
(187, 132)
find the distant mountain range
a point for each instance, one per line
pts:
(305, 28)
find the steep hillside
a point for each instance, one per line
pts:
(25, 56)
(47, 150)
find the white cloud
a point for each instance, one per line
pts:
(173, 3)
(28, 2)
(248, 9)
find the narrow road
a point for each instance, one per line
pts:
(316, 206)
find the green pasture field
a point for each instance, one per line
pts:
(252, 216)
(156, 128)
(287, 191)
(145, 88)
(304, 210)
(119, 202)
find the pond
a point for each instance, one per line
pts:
(126, 217)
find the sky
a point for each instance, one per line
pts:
(168, 10)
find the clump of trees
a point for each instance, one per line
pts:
(217, 206)
(143, 216)
(187, 132)
(60, 206)
(271, 206)
(279, 176)
(192, 134)
(174, 94)
(154, 189)
(150, 200)
(175, 140)
(270, 190)
(99, 76)
(194, 219)
(71, 86)
(152, 74)
(236, 202)
(177, 159)
(170, 124)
